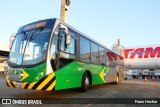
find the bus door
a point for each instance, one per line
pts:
(66, 47)
(62, 47)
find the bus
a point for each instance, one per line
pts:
(51, 55)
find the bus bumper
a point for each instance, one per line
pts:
(46, 83)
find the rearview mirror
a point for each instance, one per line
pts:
(68, 39)
(63, 30)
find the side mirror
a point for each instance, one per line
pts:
(63, 30)
(68, 39)
(12, 38)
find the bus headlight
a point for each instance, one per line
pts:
(42, 74)
(37, 77)
(20, 74)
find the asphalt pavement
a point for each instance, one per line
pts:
(126, 90)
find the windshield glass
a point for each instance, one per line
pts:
(30, 47)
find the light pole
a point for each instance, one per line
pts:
(64, 10)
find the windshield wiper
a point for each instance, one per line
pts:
(23, 39)
(33, 35)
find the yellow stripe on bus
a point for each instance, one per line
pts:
(51, 86)
(14, 83)
(8, 82)
(31, 85)
(23, 85)
(45, 81)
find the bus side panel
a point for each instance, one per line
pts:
(95, 71)
(97, 80)
(104, 73)
(121, 73)
(71, 75)
(68, 81)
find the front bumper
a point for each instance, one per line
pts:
(46, 83)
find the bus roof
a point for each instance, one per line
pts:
(84, 35)
(50, 23)
(35, 25)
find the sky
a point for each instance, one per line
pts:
(135, 22)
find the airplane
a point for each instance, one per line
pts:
(142, 57)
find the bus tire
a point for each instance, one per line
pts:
(85, 82)
(117, 79)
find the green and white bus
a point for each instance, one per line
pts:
(51, 55)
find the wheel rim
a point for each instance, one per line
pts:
(117, 79)
(87, 81)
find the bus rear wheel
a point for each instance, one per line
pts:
(117, 79)
(85, 82)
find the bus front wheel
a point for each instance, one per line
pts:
(85, 82)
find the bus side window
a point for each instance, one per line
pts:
(67, 51)
(84, 50)
(108, 58)
(71, 47)
(102, 56)
(94, 53)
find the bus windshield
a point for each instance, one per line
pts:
(30, 47)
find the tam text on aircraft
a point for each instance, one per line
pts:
(142, 57)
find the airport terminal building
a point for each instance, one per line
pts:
(4, 53)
